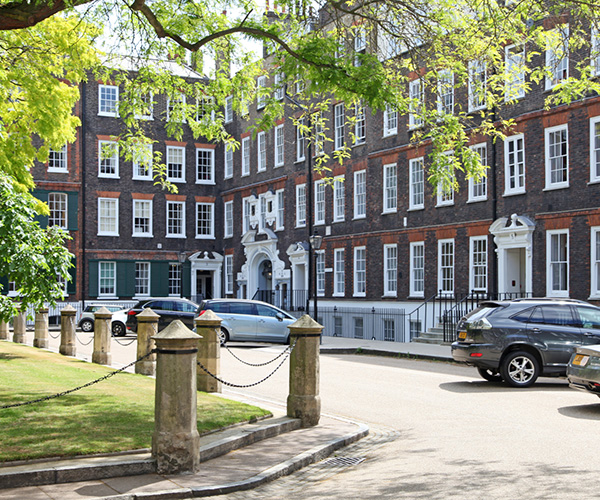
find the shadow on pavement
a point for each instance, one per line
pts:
(483, 386)
(586, 412)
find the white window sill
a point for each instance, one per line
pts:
(108, 234)
(141, 179)
(176, 236)
(442, 205)
(389, 296)
(513, 193)
(359, 217)
(178, 181)
(391, 133)
(104, 176)
(388, 212)
(203, 237)
(414, 296)
(144, 235)
(554, 187)
(211, 183)
(476, 200)
(592, 181)
(415, 209)
(53, 170)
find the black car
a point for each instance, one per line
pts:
(519, 340)
(168, 308)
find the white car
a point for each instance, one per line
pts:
(118, 320)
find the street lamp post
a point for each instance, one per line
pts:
(315, 244)
(309, 198)
(181, 256)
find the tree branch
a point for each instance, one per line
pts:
(19, 15)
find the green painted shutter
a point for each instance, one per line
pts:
(93, 278)
(186, 275)
(72, 206)
(41, 195)
(4, 284)
(125, 279)
(72, 285)
(159, 277)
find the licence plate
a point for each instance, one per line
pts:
(462, 335)
(580, 360)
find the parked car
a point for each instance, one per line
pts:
(249, 320)
(118, 320)
(168, 308)
(583, 371)
(519, 340)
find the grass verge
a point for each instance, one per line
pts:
(116, 414)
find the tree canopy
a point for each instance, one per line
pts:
(367, 53)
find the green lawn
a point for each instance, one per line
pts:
(114, 415)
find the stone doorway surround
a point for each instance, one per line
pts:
(514, 250)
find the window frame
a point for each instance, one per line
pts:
(548, 133)
(339, 199)
(63, 220)
(319, 200)
(445, 99)
(181, 205)
(595, 263)
(208, 168)
(115, 225)
(390, 121)
(143, 205)
(360, 125)
(301, 205)
(390, 270)
(390, 188)
(416, 92)
(360, 272)
(169, 151)
(209, 223)
(339, 115)
(279, 146)
(552, 61)
(138, 162)
(508, 191)
(415, 164)
(473, 186)
(550, 268)
(442, 277)
(102, 108)
(56, 156)
(113, 279)
(228, 161)
(477, 85)
(339, 272)
(228, 219)
(246, 156)
(114, 159)
(360, 194)
(261, 152)
(414, 278)
(476, 265)
(147, 279)
(514, 89)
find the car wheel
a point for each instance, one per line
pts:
(87, 325)
(490, 375)
(520, 369)
(223, 336)
(118, 329)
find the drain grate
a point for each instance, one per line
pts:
(343, 461)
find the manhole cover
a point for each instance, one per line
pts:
(343, 461)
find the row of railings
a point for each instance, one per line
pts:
(288, 300)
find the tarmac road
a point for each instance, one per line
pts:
(440, 432)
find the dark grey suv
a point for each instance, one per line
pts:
(519, 340)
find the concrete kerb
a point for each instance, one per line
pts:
(283, 469)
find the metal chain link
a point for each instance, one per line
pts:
(288, 348)
(289, 351)
(53, 335)
(84, 343)
(121, 343)
(64, 393)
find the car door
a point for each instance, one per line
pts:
(240, 320)
(589, 322)
(270, 326)
(555, 331)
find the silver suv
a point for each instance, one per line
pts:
(516, 341)
(249, 320)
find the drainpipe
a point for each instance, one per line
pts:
(494, 193)
(83, 192)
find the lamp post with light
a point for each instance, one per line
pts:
(309, 189)
(315, 244)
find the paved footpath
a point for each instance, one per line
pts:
(278, 446)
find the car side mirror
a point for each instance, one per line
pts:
(279, 316)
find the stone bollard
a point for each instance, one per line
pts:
(4, 330)
(147, 327)
(102, 335)
(67, 331)
(208, 326)
(19, 327)
(40, 330)
(176, 442)
(303, 401)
